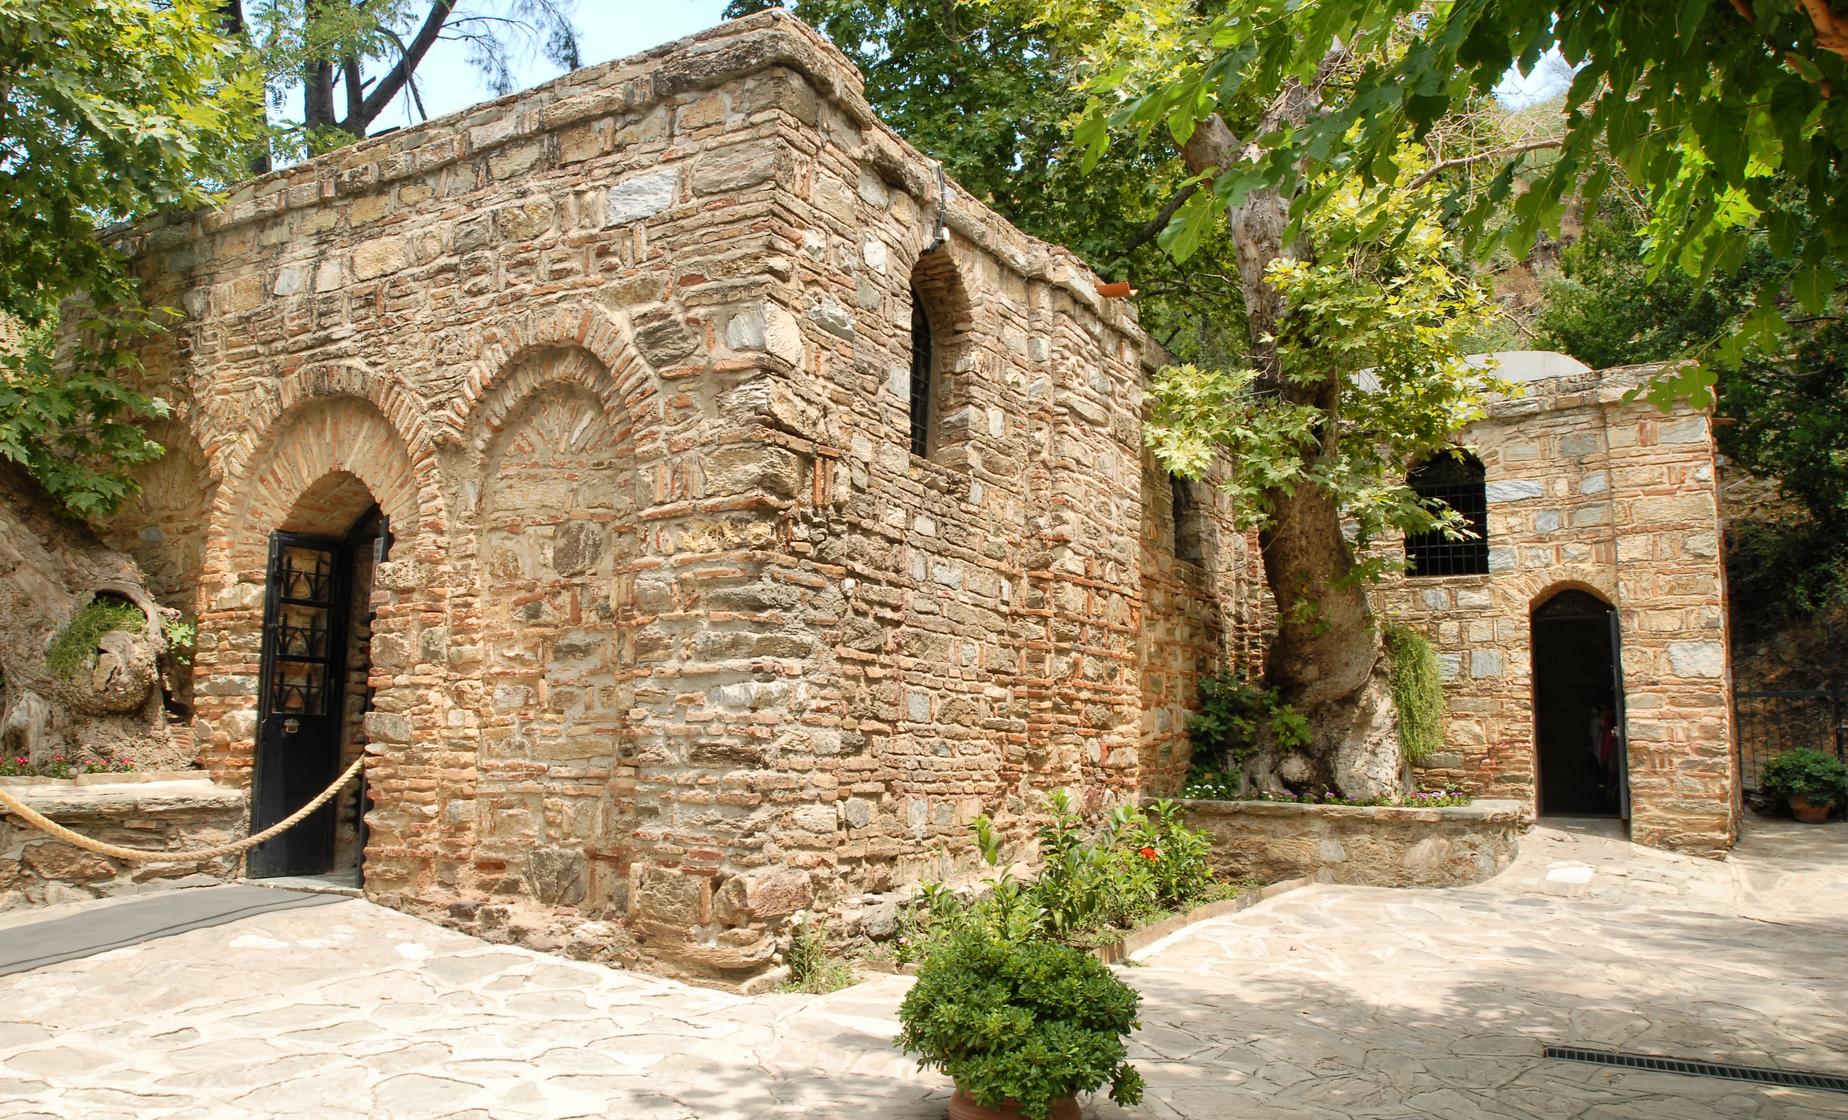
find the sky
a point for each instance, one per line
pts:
(606, 29)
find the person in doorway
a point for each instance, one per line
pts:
(1608, 760)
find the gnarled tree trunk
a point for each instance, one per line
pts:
(1326, 659)
(51, 567)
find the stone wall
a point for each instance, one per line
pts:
(152, 812)
(1617, 499)
(1370, 846)
(675, 628)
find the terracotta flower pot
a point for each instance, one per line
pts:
(1807, 811)
(963, 1107)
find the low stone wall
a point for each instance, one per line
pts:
(157, 812)
(1376, 846)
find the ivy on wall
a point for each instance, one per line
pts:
(1417, 691)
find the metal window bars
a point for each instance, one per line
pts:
(1454, 481)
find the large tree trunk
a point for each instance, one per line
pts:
(1326, 659)
(51, 567)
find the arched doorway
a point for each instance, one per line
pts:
(313, 695)
(1578, 707)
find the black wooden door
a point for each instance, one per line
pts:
(298, 731)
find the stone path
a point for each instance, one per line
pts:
(1327, 1002)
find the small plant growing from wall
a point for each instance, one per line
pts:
(74, 647)
(1417, 692)
(812, 968)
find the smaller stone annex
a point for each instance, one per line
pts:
(701, 512)
(699, 509)
(1582, 636)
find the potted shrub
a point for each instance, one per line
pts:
(1813, 782)
(1023, 1025)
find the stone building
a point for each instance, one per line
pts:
(701, 511)
(698, 509)
(1582, 636)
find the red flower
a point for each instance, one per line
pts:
(1149, 854)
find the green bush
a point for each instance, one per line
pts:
(1819, 777)
(1234, 711)
(1095, 881)
(1417, 692)
(74, 648)
(1027, 1021)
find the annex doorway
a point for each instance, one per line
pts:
(313, 695)
(1578, 708)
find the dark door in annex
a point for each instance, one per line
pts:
(302, 714)
(1578, 707)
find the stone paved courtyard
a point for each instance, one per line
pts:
(1325, 1002)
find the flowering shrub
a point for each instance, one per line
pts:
(19, 766)
(1095, 880)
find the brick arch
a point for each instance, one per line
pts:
(545, 540)
(325, 435)
(581, 345)
(321, 453)
(954, 320)
(538, 370)
(260, 417)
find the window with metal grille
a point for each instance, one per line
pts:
(923, 377)
(1453, 479)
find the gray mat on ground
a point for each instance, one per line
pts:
(36, 944)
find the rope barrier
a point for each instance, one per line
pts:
(38, 820)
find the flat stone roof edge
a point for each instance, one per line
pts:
(707, 59)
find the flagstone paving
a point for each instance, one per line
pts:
(1325, 1002)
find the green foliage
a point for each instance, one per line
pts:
(1234, 712)
(1822, 778)
(307, 50)
(114, 109)
(180, 636)
(1021, 1020)
(812, 968)
(20, 766)
(1708, 109)
(1097, 879)
(1417, 691)
(1377, 325)
(74, 648)
(1207, 784)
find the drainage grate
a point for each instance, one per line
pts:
(1826, 1082)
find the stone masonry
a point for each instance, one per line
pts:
(1588, 492)
(676, 635)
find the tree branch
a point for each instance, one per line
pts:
(395, 78)
(1831, 36)
(1442, 166)
(1160, 221)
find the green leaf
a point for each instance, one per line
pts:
(1812, 286)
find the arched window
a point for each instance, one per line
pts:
(1187, 520)
(923, 377)
(1454, 478)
